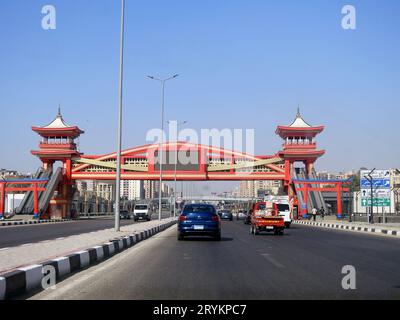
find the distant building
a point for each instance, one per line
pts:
(246, 189)
(104, 191)
(4, 174)
(395, 177)
(132, 189)
(259, 188)
(151, 189)
(149, 192)
(326, 175)
(85, 186)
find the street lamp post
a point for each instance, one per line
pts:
(176, 164)
(371, 181)
(119, 130)
(160, 155)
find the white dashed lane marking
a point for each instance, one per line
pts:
(273, 260)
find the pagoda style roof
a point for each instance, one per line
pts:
(58, 122)
(58, 127)
(299, 127)
(299, 121)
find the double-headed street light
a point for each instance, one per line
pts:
(163, 81)
(176, 164)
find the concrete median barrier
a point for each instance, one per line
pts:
(27, 279)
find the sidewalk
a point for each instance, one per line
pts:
(333, 219)
(392, 229)
(17, 257)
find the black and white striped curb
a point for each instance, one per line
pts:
(20, 223)
(351, 228)
(27, 279)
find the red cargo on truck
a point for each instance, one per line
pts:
(265, 217)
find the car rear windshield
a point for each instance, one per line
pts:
(265, 206)
(207, 209)
(141, 207)
(283, 207)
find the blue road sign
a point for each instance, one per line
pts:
(377, 183)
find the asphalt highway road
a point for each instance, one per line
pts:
(306, 263)
(12, 236)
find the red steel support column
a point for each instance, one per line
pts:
(2, 199)
(288, 172)
(68, 169)
(35, 201)
(339, 200)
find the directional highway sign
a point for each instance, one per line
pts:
(377, 193)
(377, 183)
(380, 188)
(377, 174)
(378, 202)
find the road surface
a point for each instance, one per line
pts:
(306, 263)
(19, 235)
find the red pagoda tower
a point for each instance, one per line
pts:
(58, 145)
(299, 146)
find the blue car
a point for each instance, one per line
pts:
(199, 220)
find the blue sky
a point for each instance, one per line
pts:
(242, 64)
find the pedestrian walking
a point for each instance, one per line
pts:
(322, 212)
(314, 214)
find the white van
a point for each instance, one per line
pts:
(284, 211)
(142, 212)
(283, 207)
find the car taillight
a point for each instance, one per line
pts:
(216, 218)
(182, 218)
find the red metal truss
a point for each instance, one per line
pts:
(212, 163)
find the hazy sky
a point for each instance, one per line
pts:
(242, 64)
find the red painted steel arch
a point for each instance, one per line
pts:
(213, 163)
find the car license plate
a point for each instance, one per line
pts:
(269, 228)
(198, 227)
